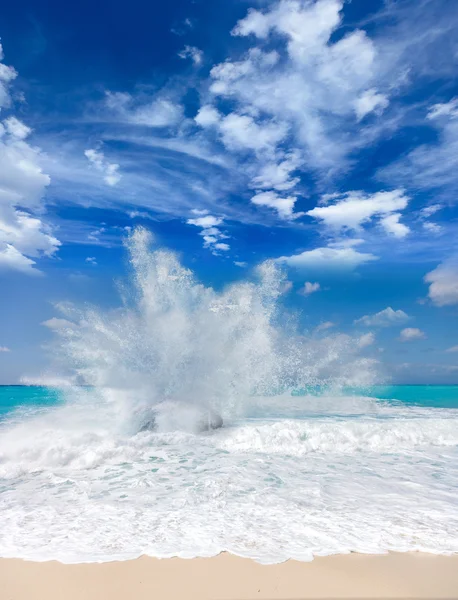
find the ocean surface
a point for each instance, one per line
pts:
(297, 475)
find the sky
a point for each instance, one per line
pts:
(319, 134)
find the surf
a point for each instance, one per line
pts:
(176, 346)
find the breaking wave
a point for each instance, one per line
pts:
(127, 463)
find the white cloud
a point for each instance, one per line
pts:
(91, 260)
(324, 326)
(370, 101)
(283, 206)
(411, 333)
(4, 349)
(221, 246)
(314, 90)
(193, 53)
(207, 116)
(392, 225)
(296, 108)
(452, 349)
(366, 340)
(352, 209)
(278, 175)
(206, 222)
(16, 128)
(432, 227)
(309, 288)
(430, 210)
(328, 258)
(183, 27)
(241, 132)
(211, 233)
(24, 236)
(240, 263)
(286, 286)
(431, 166)
(12, 260)
(443, 280)
(159, 112)
(384, 318)
(110, 171)
(447, 109)
(57, 324)
(7, 75)
(425, 213)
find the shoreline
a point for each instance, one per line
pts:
(228, 577)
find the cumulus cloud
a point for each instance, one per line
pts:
(452, 349)
(110, 171)
(328, 258)
(24, 236)
(207, 116)
(443, 283)
(242, 132)
(16, 128)
(392, 225)
(366, 340)
(278, 175)
(12, 260)
(4, 349)
(370, 101)
(193, 53)
(309, 288)
(296, 108)
(351, 210)
(316, 89)
(411, 333)
(211, 232)
(283, 205)
(384, 318)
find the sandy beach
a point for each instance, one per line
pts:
(226, 577)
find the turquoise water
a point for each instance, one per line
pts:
(434, 396)
(13, 397)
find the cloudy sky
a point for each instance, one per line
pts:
(322, 134)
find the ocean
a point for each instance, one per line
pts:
(312, 459)
(298, 476)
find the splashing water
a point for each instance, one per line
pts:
(181, 348)
(288, 476)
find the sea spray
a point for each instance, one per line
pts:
(176, 346)
(288, 476)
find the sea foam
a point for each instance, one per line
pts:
(288, 476)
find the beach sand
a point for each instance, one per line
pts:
(227, 577)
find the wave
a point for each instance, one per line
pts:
(286, 477)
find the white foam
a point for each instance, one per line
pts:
(270, 490)
(288, 477)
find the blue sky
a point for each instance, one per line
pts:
(322, 134)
